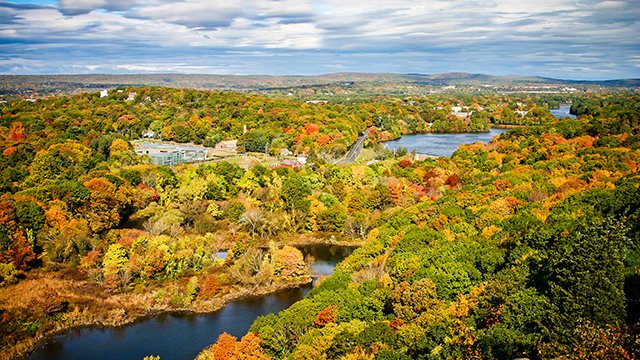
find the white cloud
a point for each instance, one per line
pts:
(455, 34)
(192, 13)
(610, 5)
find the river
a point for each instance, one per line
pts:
(183, 336)
(440, 144)
(562, 112)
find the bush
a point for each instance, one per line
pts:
(9, 274)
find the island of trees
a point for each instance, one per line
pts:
(523, 247)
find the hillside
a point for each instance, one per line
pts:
(35, 85)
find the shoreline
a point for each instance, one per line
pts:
(32, 345)
(104, 310)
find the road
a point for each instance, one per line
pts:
(353, 153)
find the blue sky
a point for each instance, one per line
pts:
(581, 39)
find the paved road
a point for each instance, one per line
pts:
(353, 153)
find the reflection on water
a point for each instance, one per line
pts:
(325, 259)
(182, 336)
(562, 112)
(440, 144)
(172, 336)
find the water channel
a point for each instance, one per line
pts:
(440, 144)
(447, 144)
(562, 112)
(183, 336)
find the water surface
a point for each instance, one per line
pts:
(562, 112)
(325, 258)
(183, 336)
(441, 144)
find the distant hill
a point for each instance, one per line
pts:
(471, 79)
(38, 85)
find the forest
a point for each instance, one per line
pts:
(524, 247)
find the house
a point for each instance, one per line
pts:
(522, 112)
(285, 152)
(293, 164)
(149, 134)
(457, 111)
(104, 93)
(227, 145)
(132, 96)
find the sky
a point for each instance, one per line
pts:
(584, 39)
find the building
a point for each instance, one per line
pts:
(149, 134)
(293, 164)
(285, 152)
(132, 96)
(458, 111)
(104, 93)
(171, 154)
(227, 145)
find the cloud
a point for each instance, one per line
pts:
(545, 37)
(78, 7)
(206, 14)
(190, 13)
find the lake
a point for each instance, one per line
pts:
(183, 336)
(441, 144)
(562, 112)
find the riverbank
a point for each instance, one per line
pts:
(508, 127)
(63, 304)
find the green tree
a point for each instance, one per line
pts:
(587, 276)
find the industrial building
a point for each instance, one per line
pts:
(171, 154)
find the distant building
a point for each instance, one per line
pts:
(285, 152)
(149, 134)
(522, 112)
(457, 111)
(171, 154)
(316, 102)
(227, 145)
(132, 96)
(293, 164)
(104, 93)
